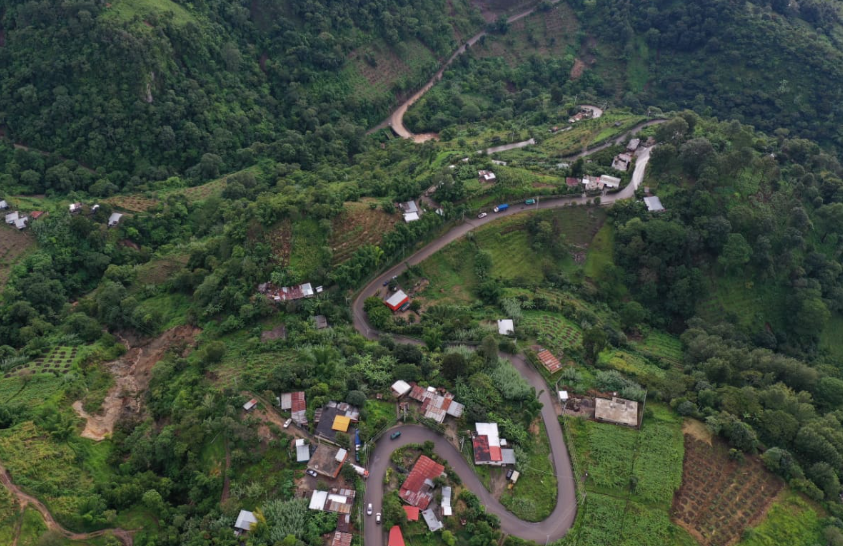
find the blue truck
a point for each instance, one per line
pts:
(501, 208)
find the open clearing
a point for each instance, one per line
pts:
(132, 373)
(358, 225)
(13, 245)
(719, 497)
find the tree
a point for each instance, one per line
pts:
(594, 340)
(736, 253)
(453, 366)
(356, 398)
(632, 315)
(393, 511)
(824, 476)
(829, 392)
(489, 350)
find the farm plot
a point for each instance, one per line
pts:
(13, 245)
(134, 203)
(57, 361)
(719, 498)
(358, 225)
(553, 331)
(660, 346)
(629, 363)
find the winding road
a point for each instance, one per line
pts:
(562, 517)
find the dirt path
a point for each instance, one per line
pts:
(132, 373)
(124, 536)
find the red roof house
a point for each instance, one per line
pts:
(395, 537)
(412, 513)
(417, 489)
(396, 300)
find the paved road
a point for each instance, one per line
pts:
(396, 119)
(562, 517)
(507, 147)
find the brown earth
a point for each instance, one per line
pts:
(23, 499)
(697, 429)
(577, 69)
(132, 373)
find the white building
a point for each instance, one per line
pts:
(411, 217)
(506, 327)
(610, 181)
(114, 219)
(12, 217)
(244, 522)
(654, 204)
(400, 388)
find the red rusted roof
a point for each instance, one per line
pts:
(550, 362)
(413, 490)
(481, 448)
(395, 537)
(412, 513)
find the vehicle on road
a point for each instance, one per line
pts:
(501, 208)
(369, 509)
(395, 435)
(311, 472)
(386, 282)
(482, 215)
(287, 423)
(530, 202)
(378, 517)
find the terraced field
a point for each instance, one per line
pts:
(358, 226)
(661, 346)
(630, 364)
(134, 203)
(59, 361)
(555, 332)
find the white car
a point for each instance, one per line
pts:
(369, 509)
(378, 517)
(482, 215)
(287, 423)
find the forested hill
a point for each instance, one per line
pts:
(148, 87)
(774, 64)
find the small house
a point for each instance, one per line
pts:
(397, 300)
(563, 396)
(572, 182)
(395, 537)
(250, 405)
(591, 183)
(506, 327)
(327, 460)
(417, 489)
(433, 523)
(244, 523)
(549, 361)
(320, 322)
(3, 205)
(36, 214)
(94, 209)
(114, 219)
(654, 204)
(12, 217)
(486, 176)
(446, 502)
(633, 145)
(617, 411)
(489, 447)
(612, 182)
(411, 217)
(621, 162)
(75, 208)
(302, 451)
(400, 388)
(20, 223)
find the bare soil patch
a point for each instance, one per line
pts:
(132, 373)
(13, 244)
(577, 69)
(358, 225)
(698, 430)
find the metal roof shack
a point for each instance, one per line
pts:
(411, 217)
(12, 217)
(74, 208)
(250, 405)
(400, 388)
(412, 513)
(302, 450)
(114, 219)
(550, 362)
(396, 300)
(341, 539)
(617, 410)
(633, 144)
(320, 322)
(506, 327)
(433, 524)
(486, 176)
(417, 489)
(20, 223)
(245, 520)
(335, 500)
(489, 446)
(610, 181)
(288, 293)
(279, 332)
(446, 502)
(3, 204)
(295, 402)
(436, 403)
(36, 214)
(654, 204)
(327, 460)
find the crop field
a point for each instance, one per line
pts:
(159, 270)
(545, 33)
(512, 256)
(719, 498)
(751, 304)
(58, 361)
(791, 520)
(632, 477)
(600, 253)
(534, 496)
(134, 203)
(451, 274)
(9, 512)
(587, 133)
(34, 390)
(241, 363)
(555, 332)
(629, 363)
(200, 193)
(309, 248)
(661, 346)
(357, 226)
(13, 245)
(387, 70)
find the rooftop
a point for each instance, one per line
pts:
(320, 322)
(506, 327)
(335, 500)
(616, 410)
(412, 513)
(396, 299)
(550, 362)
(432, 522)
(395, 537)
(654, 204)
(415, 490)
(400, 388)
(436, 404)
(341, 539)
(325, 460)
(245, 520)
(326, 419)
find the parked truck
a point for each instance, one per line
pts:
(360, 471)
(501, 208)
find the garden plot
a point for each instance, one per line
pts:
(554, 332)
(13, 244)
(630, 364)
(134, 203)
(57, 361)
(358, 225)
(719, 497)
(661, 346)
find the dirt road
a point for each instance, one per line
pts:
(24, 499)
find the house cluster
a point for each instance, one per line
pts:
(584, 113)
(288, 293)
(411, 211)
(622, 161)
(336, 500)
(17, 219)
(294, 402)
(417, 491)
(489, 447)
(594, 183)
(436, 403)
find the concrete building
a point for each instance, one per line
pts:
(506, 327)
(245, 520)
(400, 388)
(654, 204)
(617, 411)
(327, 460)
(489, 447)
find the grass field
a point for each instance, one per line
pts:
(632, 476)
(33, 390)
(629, 364)
(9, 515)
(309, 248)
(751, 304)
(600, 253)
(534, 496)
(660, 346)
(791, 520)
(124, 10)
